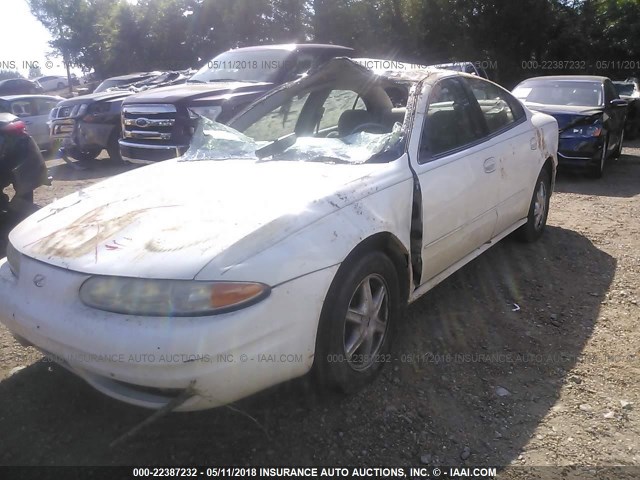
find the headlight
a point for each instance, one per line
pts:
(169, 298)
(586, 131)
(13, 258)
(208, 112)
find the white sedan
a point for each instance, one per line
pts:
(286, 242)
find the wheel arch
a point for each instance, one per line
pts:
(550, 166)
(392, 247)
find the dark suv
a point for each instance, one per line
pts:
(158, 125)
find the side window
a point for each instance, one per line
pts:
(44, 105)
(22, 108)
(451, 122)
(338, 102)
(279, 122)
(498, 107)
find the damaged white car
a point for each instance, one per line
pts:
(288, 241)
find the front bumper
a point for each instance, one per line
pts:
(77, 134)
(148, 361)
(140, 153)
(580, 152)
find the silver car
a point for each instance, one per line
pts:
(33, 110)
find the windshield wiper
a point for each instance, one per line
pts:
(276, 147)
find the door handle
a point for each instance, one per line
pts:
(489, 165)
(533, 143)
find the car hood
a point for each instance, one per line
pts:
(171, 219)
(94, 97)
(196, 91)
(565, 114)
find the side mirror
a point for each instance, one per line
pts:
(618, 102)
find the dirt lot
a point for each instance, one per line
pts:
(474, 382)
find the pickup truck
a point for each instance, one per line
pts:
(159, 124)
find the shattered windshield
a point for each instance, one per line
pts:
(333, 125)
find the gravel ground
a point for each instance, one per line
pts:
(528, 356)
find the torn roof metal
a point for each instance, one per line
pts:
(390, 69)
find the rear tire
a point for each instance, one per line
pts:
(357, 323)
(538, 210)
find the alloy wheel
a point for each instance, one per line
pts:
(540, 205)
(366, 322)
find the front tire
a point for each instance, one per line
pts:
(618, 152)
(357, 323)
(597, 171)
(538, 210)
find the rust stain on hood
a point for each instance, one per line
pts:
(84, 234)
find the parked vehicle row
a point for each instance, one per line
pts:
(330, 205)
(88, 124)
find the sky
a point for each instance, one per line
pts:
(23, 39)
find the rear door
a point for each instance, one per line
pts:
(514, 144)
(458, 176)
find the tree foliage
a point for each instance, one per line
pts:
(118, 36)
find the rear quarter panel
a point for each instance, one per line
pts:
(548, 137)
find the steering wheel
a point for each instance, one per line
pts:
(369, 126)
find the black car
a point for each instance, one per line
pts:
(158, 125)
(629, 90)
(590, 114)
(87, 124)
(19, 86)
